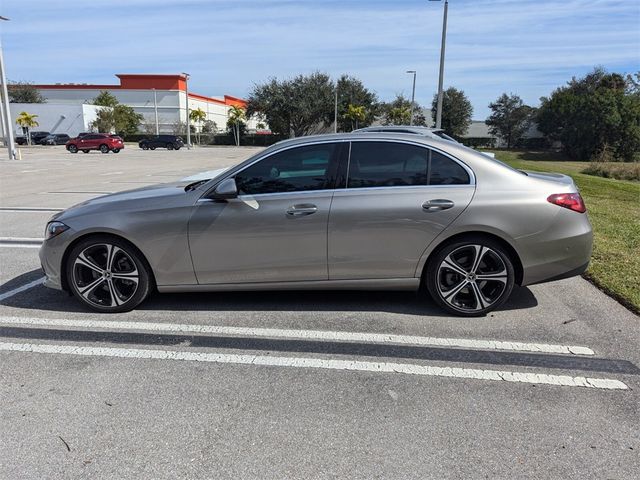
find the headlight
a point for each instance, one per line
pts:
(54, 229)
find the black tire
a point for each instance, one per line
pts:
(478, 296)
(152, 148)
(85, 151)
(104, 148)
(72, 149)
(95, 299)
(116, 150)
(145, 147)
(177, 148)
(169, 146)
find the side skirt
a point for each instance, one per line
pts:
(365, 284)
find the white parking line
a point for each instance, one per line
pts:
(376, 367)
(17, 242)
(21, 288)
(303, 334)
(21, 239)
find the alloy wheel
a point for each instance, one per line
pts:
(105, 275)
(472, 278)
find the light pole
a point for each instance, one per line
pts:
(155, 110)
(441, 77)
(335, 111)
(186, 92)
(6, 114)
(413, 94)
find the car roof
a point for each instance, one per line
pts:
(389, 128)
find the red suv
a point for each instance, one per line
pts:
(95, 141)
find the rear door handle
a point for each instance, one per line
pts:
(301, 210)
(437, 205)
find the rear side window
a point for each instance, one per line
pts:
(387, 164)
(294, 170)
(445, 171)
(391, 164)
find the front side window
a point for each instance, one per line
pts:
(387, 164)
(294, 170)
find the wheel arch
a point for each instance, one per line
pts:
(65, 257)
(434, 248)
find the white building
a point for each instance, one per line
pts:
(66, 118)
(148, 94)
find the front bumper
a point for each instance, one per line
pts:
(51, 254)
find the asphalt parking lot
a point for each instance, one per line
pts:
(291, 384)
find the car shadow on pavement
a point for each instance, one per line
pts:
(407, 303)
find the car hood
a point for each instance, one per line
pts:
(150, 197)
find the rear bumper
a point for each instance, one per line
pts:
(562, 251)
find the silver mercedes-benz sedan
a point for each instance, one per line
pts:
(349, 211)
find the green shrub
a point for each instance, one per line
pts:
(478, 142)
(617, 170)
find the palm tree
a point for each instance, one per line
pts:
(355, 113)
(236, 116)
(27, 121)
(198, 116)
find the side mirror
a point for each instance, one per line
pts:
(226, 189)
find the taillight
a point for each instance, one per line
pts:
(572, 201)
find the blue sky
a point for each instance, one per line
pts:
(528, 47)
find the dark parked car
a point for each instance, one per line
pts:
(35, 138)
(55, 139)
(170, 142)
(96, 141)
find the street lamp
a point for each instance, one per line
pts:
(186, 92)
(413, 94)
(441, 78)
(6, 114)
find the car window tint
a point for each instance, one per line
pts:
(293, 170)
(387, 164)
(445, 171)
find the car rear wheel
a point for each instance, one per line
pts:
(108, 275)
(152, 148)
(470, 277)
(169, 146)
(104, 148)
(72, 149)
(145, 147)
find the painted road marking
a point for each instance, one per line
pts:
(29, 209)
(21, 240)
(17, 242)
(330, 364)
(21, 288)
(303, 334)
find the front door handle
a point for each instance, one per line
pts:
(437, 205)
(301, 210)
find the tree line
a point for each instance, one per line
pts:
(593, 117)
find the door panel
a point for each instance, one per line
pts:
(276, 230)
(382, 232)
(264, 238)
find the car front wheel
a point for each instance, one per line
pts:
(108, 275)
(169, 146)
(145, 147)
(116, 150)
(470, 277)
(104, 148)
